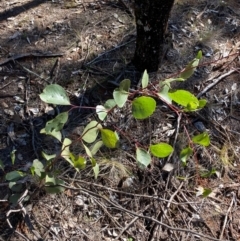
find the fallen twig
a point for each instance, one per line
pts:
(215, 82)
(27, 55)
(227, 214)
(118, 207)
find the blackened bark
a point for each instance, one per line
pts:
(151, 21)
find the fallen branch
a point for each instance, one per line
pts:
(215, 82)
(27, 55)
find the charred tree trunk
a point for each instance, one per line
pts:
(151, 21)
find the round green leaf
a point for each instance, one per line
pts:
(161, 150)
(110, 139)
(120, 94)
(15, 187)
(202, 139)
(55, 94)
(183, 97)
(14, 175)
(143, 157)
(109, 104)
(101, 112)
(120, 97)
(91, 131)
(143, 107)
(38, 167)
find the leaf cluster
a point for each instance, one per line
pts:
(95, 136)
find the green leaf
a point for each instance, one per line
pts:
(183, 97)
(14, 176)
(96, 147)
(1, 165)
(143, 157)
(65, 153)
(88, 152)
(38, 167)
(202, 139)
(120, 94)
(209, 173)
(125, 85)
(15, 187)
(48, 157)
(185, 154)
(110, 139)
(101, 112)
(199, 55)
(202, 103)
(55, 94)
(14, 198)
(191, 106)
(57, 123)
(109, 104)
(13, 157)
(143, 107)
(191, 67)
(79, 162)
(51, 184)
(120, 97)
(169, 81)
(95, 167)
(145, 79)
(54, 133)
(163, 94)
(206, 192)
(90, 132)
(161, 150)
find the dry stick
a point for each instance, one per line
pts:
(88, 192)
(215, 82)
(26, 55)
(226, 216)
(126, 193)
(31, 72)
(126, 227)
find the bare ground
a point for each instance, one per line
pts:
(87, 46)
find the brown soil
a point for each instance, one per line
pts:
(87, 47)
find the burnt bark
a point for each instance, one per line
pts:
(151, 21)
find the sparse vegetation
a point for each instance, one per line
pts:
(99, 152)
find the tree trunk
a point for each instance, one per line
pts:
(151, 21)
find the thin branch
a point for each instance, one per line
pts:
(118, 207)
(215, 82)
(227, 214)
